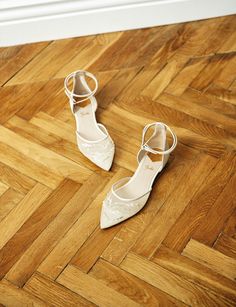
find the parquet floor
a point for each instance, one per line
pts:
(180, 250)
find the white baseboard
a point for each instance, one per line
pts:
(26, 21)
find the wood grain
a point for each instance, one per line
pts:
(169, 282)
(213, 259)
(180, 249)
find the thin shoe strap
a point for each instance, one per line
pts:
(146, 147)
(120, 184)
(72, 95)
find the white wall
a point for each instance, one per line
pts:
(24, 21)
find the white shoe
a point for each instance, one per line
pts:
(129, 195)
(92, 138)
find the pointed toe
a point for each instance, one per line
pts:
(116, 210)
(100, 153)
(105, 222)
(107, 162)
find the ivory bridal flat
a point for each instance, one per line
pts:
(93, 138)
(129, 195)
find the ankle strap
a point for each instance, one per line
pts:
(84, 97)
(146, 147)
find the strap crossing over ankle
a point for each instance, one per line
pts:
(146, 147)
(71, 95)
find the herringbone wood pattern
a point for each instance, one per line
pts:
(180, 250)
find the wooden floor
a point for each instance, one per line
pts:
(180, 250)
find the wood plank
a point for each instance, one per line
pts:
(226, 245)
(65, 115)
(131, 286)
(211, 258)
(178, 60)
(54, 126)
(224, 27)
(30, 230)
(81, 230)
(46, 64)
(143, 107)
(166, 217)
(15, 179)
(8, 201)
(178, 287)
(116, 86)
(39, 133)
(194, 272)
(84, 285)
(163, 43)
(230, 44)
(181, 82)
(124, 118)
(187, 121)
(167, 43)
(233, 85)
(227, 75)
(138, 83)
(228, 95)
(14, 99)
(53, 293)
(212, 224)
(58, 164)
(91, 250)
(214, 68)
(200, 204)
(126, 55)
(199, 111)
(13, 296)
(47, 240)
(230, 225)
(28, 167)
(210, 101)
(41, 98)
(13, 59)
(3, 188)
(110, 53)
(17, 217)
(200, 40)
(162, 79)
(88, 55)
